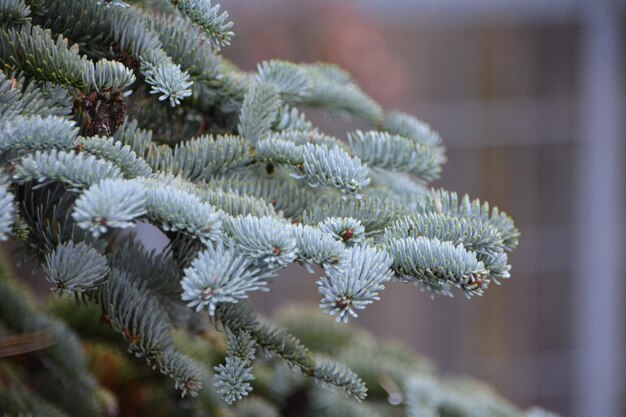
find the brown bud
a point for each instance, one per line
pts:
(347, 234)
(343, 304)
(133, 338)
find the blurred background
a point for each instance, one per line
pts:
(527, 95)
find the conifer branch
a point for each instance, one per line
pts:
(220, 276)
(259, 110)
(21, 96)
(241, 185)
(75, 269)
(75, 170)
(14, 12)
(7, 209)
(36, 133)
(216, 26)
(396, 153)
(110, 204)
(34, 51)
(361, 276)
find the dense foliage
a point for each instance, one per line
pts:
(112, 115)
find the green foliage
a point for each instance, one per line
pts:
(114, 115)
(202, 13)
(75, 269)
(34, 51)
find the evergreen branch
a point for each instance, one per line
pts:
(110, 204)
(34, 51)
(154, 269)
(398, 123)
(278, 151)
(113, 3)
(20, 96)
(7, 209)
(75, 269)
(139, 140)
(36, 133)
(287, 347)
(203, 157)
(284, 345)
(331, 91)
(137, 315)
(215, 26)
(290, 119)
(497, 265)
(363, 273)
(267, 241)
(124, 30)
(373, 213)
(232, 380)
(46, 212)
(219, 275)
(315, 246)
(331, 167)
(259, 110)
(230, 200)
(185, 373)
(170, 82)
(284, 195)
(236, 204)
(240, 345)
(115, 152)
(447, 202)
(185, 44)
(346, 230)
(278, 341)
(334, 168)
(435, 265)
(336, 375)
(176, 210)
(75, 170)
(330, 72)
(302, 137)
(504, 224)
(475, 235)
(396, 153)
(107, 76)
(14, 12)
(290, 80)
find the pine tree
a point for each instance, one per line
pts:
(113, 115)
